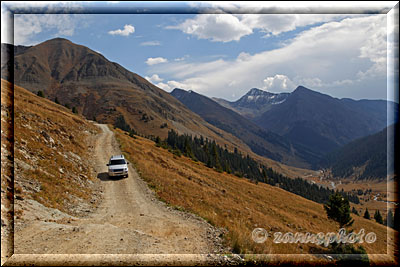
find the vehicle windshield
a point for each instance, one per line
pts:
(117, 162)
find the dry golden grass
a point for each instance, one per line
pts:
(6, 133)
(59, 176)
(235, 203)
(7, 211)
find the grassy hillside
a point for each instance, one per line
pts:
(7, 185)
(235, 203)
(52, 154)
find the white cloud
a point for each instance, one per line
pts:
(278, 83)
(150, 43)
(182, 70)
(294, 7)
(228, 27)
(128, 29)
(243, 56)
(181, 58)
(310, 82)
(374, 49)
(164, 86)
(339, 57)
(171, 85)
(278, 23)
(217, 27)
(155, 60)
(26, 26)
(6, 19)
(154, 78)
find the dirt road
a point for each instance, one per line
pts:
(130, 220)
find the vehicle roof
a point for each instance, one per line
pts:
(117, 157)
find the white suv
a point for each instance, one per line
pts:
(118, 166)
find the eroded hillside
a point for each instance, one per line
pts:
(53, 169)
(7, 139)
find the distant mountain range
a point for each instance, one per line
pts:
(262, 142)
(312, 124)
(254, 103)
(323, 123)
(364, 158)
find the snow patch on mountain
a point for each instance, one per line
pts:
(259, 97)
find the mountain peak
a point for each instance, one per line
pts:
(179, 93)
(304, 92)
(260, 98)
(256, 91)
(178, 90)
(301, 88)
(57, 42)
(58, 39)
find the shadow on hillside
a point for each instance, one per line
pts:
(103, 176)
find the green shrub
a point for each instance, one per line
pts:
(40, 93)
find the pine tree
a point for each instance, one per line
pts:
(366, 214)
(56, 101)
(378, 217)
(188, 149)
(74, 110)
(354, 211)
(264, 175)
(40, 93)
(389, 218)
(396, 218)
(122, 124)
(158, 141)
(338, 209)
(227, 168)
(216, 158)
(209, 162)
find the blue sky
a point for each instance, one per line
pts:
(225, 55)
